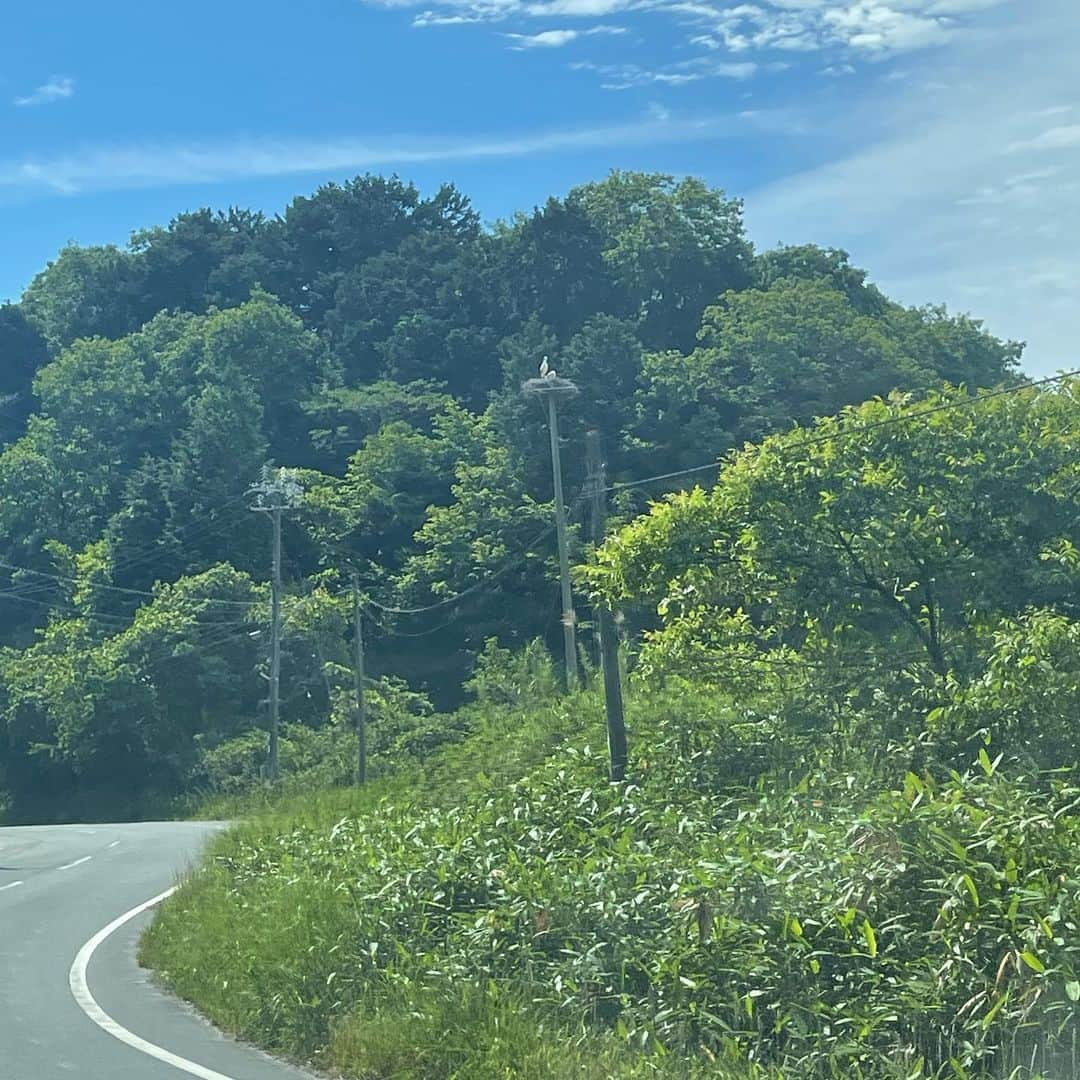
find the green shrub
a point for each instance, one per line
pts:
(822, 921)
(1027, 701)
(504, 678)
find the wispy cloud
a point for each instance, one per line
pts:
(556, 39)
(589, 9)
(449, 18)
(844, 33)
(625, 76)
(1055, 138)
(174, 163)
(866, 27)
(57, 88)
(970, 196)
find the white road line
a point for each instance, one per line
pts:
(114, 844)
(77, 862)
(81, 991)
(13, 885)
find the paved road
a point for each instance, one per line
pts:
(61, 885)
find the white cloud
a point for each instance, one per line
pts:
(625, 76)
(961, 7)
(547, 39)
(971, 196)
(1056, 138)
(57, 88)
(872, 26)
(1013, 190)
(434, 18)
(556, 39)
(589, 9)
(174, 163)
(845, 31)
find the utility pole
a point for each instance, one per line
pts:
(358, 680)
(277, 491)
(609, 641)
(551, 388)
(275, 646)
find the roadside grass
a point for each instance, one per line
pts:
(460, 1031)
(750, 907)
(500, 745)
(486, 1033)
(461, 1034)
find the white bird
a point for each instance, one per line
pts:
(544, 369)
(550, 374)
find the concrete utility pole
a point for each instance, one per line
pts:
(276, 492)
(275, 647)
(609, 641)
(550, 388)
(358, 681)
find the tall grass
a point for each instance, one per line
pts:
(750, 906)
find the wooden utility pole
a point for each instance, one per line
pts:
(609, 641)
(359, 678)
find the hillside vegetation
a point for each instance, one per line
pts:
(373, 339)
(841, 556)
(849, 843)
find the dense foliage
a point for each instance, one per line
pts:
(848, 845)
(892, 528)
(757, 900)
(376, 339)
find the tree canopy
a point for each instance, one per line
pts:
(376, 338)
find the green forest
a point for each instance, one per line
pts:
(841, 556)
(375, 340)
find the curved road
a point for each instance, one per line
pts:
(59, 887)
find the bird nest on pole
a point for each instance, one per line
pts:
(559, 387)
(549, 384)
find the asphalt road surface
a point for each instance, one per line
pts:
(60, 888)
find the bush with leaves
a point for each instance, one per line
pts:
(820, 914)
(1026, 703)
(892, 533)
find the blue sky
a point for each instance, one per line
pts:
(937, 140)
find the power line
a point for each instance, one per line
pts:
(194, 650)
(430, 632)
(115, 588)
(490, 579)
(117, 620)
(117, 623)
(813, 664)
(487, 580)
(28, 594)
(203, 526)
(206, 642)
(846, 432)
(482, 584)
